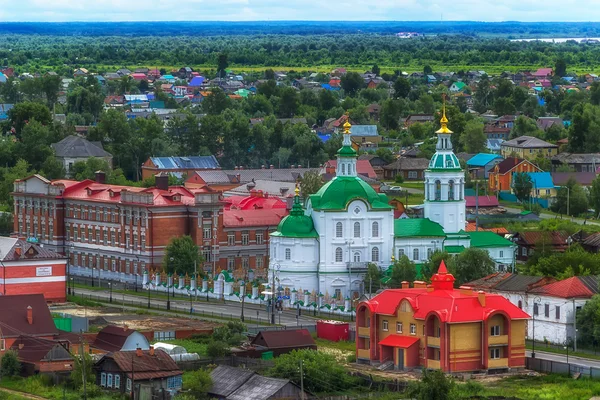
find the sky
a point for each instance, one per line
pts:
(272, 10)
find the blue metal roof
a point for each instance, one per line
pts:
(481, 159)
(494, 144)
(541, 180)
(364, 130)
(196, 81)
(193, 162)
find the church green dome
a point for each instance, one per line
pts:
(444, 161)
(341, 190)
(297, 224)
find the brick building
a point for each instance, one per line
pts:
(118, 232)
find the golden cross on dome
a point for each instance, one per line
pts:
(347, 124)
(297, 190)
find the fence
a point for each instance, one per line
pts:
(255, 329)
(507, 196)
(581, 347)
(256, 364)
(558, 367)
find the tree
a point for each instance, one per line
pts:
(216, 102)
(471, 264)
(385, 154)
(351, 82)
(288, 102)
(26, 111)
(431, 266)
(402, 270)
(427, 70)
(401, 88)
(182, 255)
(198, 382)
(525, 126)
(543, 162)
(522, 186)
(583, 132)
(222, 64)
(560, 67)
(78, 370)
(588, 321)
(10, 365)
(216, 349)
(474, 139)
(571, 196)
(375, 69)
(310, 183)
(595, 195)
(372, 280)
(390, 113)
(315, 366)
(504, 106)
(434, 385)
(327, 100)
(269, 74)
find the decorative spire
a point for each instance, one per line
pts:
(444, 120)
(297, 190)
(442, 280)
(297, 207)
(347, 125)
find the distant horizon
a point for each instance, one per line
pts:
(349, 21)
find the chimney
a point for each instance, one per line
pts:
(271, 166)
(481, 297)
(125, 327)
(405, 285)
(465, 289)
(151, 350)
(161, 181)
(419, 285)
(262, 166)
(30, 315)
(100, 176)
(430, 288)
(235, 168)
(138, 352)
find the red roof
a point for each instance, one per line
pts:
(508, 164)
(256, 200)
(450, 305)
(363, 167)
(471, 227)
(543, 72)
(556, 238)
(484, 201)
(567, 289)
(259, 217)
(399, 341)
(138, 76)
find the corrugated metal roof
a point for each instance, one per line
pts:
(146, 366)
(482, 159)
(226, 380)
(191, 162)
(285, 338)
(364, 130)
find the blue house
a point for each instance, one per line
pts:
(196, 81)
(542, 185)
(480, 164)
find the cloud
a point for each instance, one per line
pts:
(248, 10)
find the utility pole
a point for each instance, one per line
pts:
(477, 206)
(132, 377)
(83, 374)
(574, 327)
(301, 382)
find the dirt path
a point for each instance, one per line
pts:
(21, 394)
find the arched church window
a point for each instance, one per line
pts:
(375, 229)
(451, 190)
(438, 190)
(343, 169)
(415, 254)
(429, 253)
(338, 230)
(288, 254)
(338, 255)
(356, 257)
(375, 254)
(357, 229)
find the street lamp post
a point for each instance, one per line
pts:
(535, 310)
(110, 290)
(242, 284)
(68, 270)
(191, 305)
(168, 298)
(73, 287)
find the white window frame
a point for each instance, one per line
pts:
(339, 255)
(416, 254)
(495, 330)
(398, 327)
(413, 329)
(103, 379)
(288, 253)
(339, 230)
(495, 353)
(375, 229)
(109, 380)
(128, 384)
(385, 325)
(117, 379)
(357, 229)
(375, 254)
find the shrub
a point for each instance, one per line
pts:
(10, 364)
(434, 385)
(217, 349)
(399, 179)
(351, 358)
(197, 382)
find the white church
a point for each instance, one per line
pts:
(325, 247)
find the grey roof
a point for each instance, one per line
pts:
(577, 158)
(364, 130)
(591, 281)
(241, 384)
(8, 248)
(226, 380)
(193, 162)
(527, 142)
(75, 146)
(276, 188)
(518, 283)
(247, 175)
(583, 178)
(403, 164)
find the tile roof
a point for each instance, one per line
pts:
(75, 146)
(112, 337)
(577, 158)
(528, 142)
(29, 251)
(256, 200)
(471, 227)
(482, 159)
(408, 163)
(31, 349)
(415, 227)
(556, 238)
(247, 175)
(363, 167)
(508, 164)
(567, 288)
(399, 341)
(146, 366)
(13, 318)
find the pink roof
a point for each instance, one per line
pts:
(543, 72)
(138, 76)
(450, 305)
(259, 217)
(363, 167)
(253, 202)
(567, 288)
(484, 201)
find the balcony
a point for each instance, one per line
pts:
(364, 331)
(357, 267)
(365, 354)
(433, 364)
(433, 341)
(497, 363)
(498, 340)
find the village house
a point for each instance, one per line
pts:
(74, 148)
(411, 169)
(528, 147)
(118, 338)
(528, 241)
(418, 118)
(500, 177)
(588, 162)
(479, 165)
(439, 327)
(42, 356)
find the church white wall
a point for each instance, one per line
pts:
(424, 246)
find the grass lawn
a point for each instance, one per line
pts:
(541, 347)
(44, 387)
(413, 185)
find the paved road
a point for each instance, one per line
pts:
(252, 312)
(552, 216)
(586, 362)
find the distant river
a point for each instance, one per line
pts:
(556, 40)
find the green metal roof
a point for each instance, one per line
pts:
(297, 224)
(417, 227)
(488, 239)
(443, 161)
(341, 190)
(346, 151)
(454, 249)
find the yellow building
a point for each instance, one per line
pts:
(436, 326)
(527, 147)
